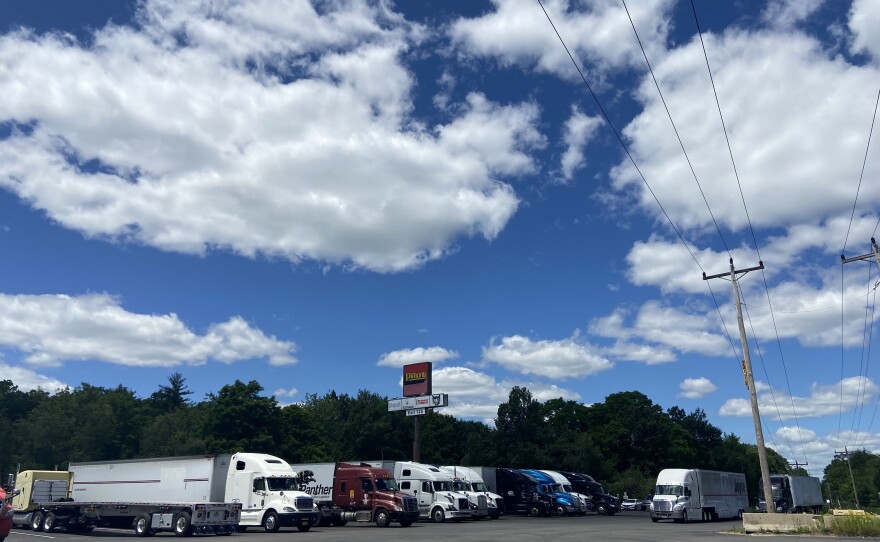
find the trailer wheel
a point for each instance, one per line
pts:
(383, 518)
(270, 522)
(403, 523)
(182, 524)
(142, 525)
(438, 515)
(37, 521)
(50, 522)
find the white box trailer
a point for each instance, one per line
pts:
(169, 494)
(217, 493)
(794, 494)
(686, 494)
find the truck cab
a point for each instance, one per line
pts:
(362, 488)
(269, 492)
(599, 500)
(468, 481)
(434, 490)
(566, 503)
(522, 493)
(6, 512)
(562, 485)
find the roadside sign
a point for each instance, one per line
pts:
(416, 412)
(422, 401)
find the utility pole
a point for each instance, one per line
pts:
(845, 455)
(750, 380)
(797, 465)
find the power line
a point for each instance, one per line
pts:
(746, 208)
(861, 175)
(632, 160)
(674, 127)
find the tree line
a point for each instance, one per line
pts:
(623, 442)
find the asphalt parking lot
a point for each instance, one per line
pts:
(624, 527)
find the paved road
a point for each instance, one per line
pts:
(624, 527)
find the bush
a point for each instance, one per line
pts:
(855, 525)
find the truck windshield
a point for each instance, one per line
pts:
(458, 485)
(442, 486)
(678, 491)
(386, 484)
(558, 488)
(568, 488)
(282, 484)
(596, 489)
(479, 486)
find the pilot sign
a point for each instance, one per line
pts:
(417, 379)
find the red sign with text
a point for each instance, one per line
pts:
(417, 379)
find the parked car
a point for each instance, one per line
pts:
(646, 502)
(630, 504)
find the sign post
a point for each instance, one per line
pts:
(417, 397)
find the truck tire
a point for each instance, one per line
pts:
(438, 515)
(403, 523)
(50, 522)
(304, 528)
(535, 511)
(142, 525)
(655, 520)
(383, 518)
(182, 524)
(270, 522)
(337, 521)
(601, 509)
(37, 521)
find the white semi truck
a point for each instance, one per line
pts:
(433, 489)
(484, 503)
(794, 494)
(686, 494)
(218, 493)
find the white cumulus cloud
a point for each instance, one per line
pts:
(695, 388)
(433, 354)
(51, 329)
(565, 358)
(287, 136)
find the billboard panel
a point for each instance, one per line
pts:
(417, 379)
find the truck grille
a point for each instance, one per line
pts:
(662, 506)
(304, 503)
(464, 504)
(410, 504)
(481, 502)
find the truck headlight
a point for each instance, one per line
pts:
(289, 509)
(678, 506)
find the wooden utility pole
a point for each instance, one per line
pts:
(845, 455)
(750, 380)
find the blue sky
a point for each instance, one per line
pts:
(312, 195)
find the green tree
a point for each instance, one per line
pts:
(238, 418)
(520, 436)
(173, 396)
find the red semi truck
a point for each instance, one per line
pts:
(357, 492)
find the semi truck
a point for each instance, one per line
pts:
(218, 493)
(685, 494)
(598, 500)
(566, 503)
(561, 484)
(432, 488)
(347, 492)
(5, 511)
(521, 493)
(794, 494)
(468, 481)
